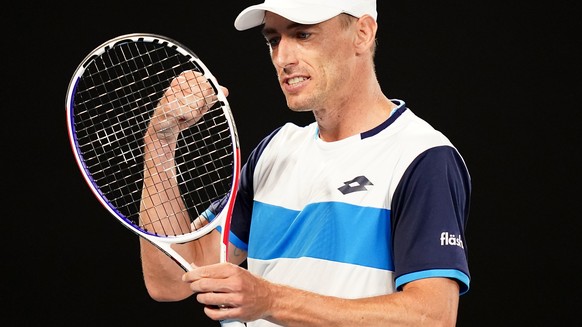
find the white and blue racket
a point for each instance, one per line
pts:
(109, 105)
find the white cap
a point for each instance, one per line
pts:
(304, 11)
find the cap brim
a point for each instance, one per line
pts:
(255, 15)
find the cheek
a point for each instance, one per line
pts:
(333, 69)
(338, 57)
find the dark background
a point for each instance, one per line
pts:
(499, 79)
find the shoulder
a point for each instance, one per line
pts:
(286, 135)
(281, 138)
(417, 133)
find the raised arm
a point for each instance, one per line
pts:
(162, 208)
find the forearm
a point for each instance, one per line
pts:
(163, 212)
(431, 302)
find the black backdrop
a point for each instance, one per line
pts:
(500, 80)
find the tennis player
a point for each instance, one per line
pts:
(357, 219)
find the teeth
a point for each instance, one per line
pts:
(295, 80)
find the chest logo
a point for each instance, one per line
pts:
(355, 185)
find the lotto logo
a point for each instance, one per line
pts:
(355, 185)
(451, 239)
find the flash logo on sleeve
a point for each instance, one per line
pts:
(451, 239)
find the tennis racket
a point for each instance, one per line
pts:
(129, 95)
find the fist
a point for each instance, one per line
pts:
(189, 96)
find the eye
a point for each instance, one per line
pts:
(273, 42)
(303, 35)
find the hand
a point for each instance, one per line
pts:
(189, 96)
(229, 292)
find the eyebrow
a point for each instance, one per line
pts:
(270, 30)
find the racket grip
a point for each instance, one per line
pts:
(231, 323)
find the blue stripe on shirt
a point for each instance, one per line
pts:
(325, 230)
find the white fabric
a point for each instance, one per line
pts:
(304, 11)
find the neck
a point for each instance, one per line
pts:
(364, 108)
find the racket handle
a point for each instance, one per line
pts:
(231, 323)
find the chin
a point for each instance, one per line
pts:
(296, 108)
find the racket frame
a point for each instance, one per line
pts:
(163, 243)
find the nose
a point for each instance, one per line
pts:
(284, 54)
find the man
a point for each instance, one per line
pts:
(356, 219)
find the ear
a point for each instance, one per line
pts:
(365, 34)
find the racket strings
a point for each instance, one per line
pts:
(209, 177)
(114, 102)
(207, 146)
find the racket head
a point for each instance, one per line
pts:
(110, 100)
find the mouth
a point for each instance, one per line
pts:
(295, 80)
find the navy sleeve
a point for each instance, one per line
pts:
(241, 217)
(430, 208)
